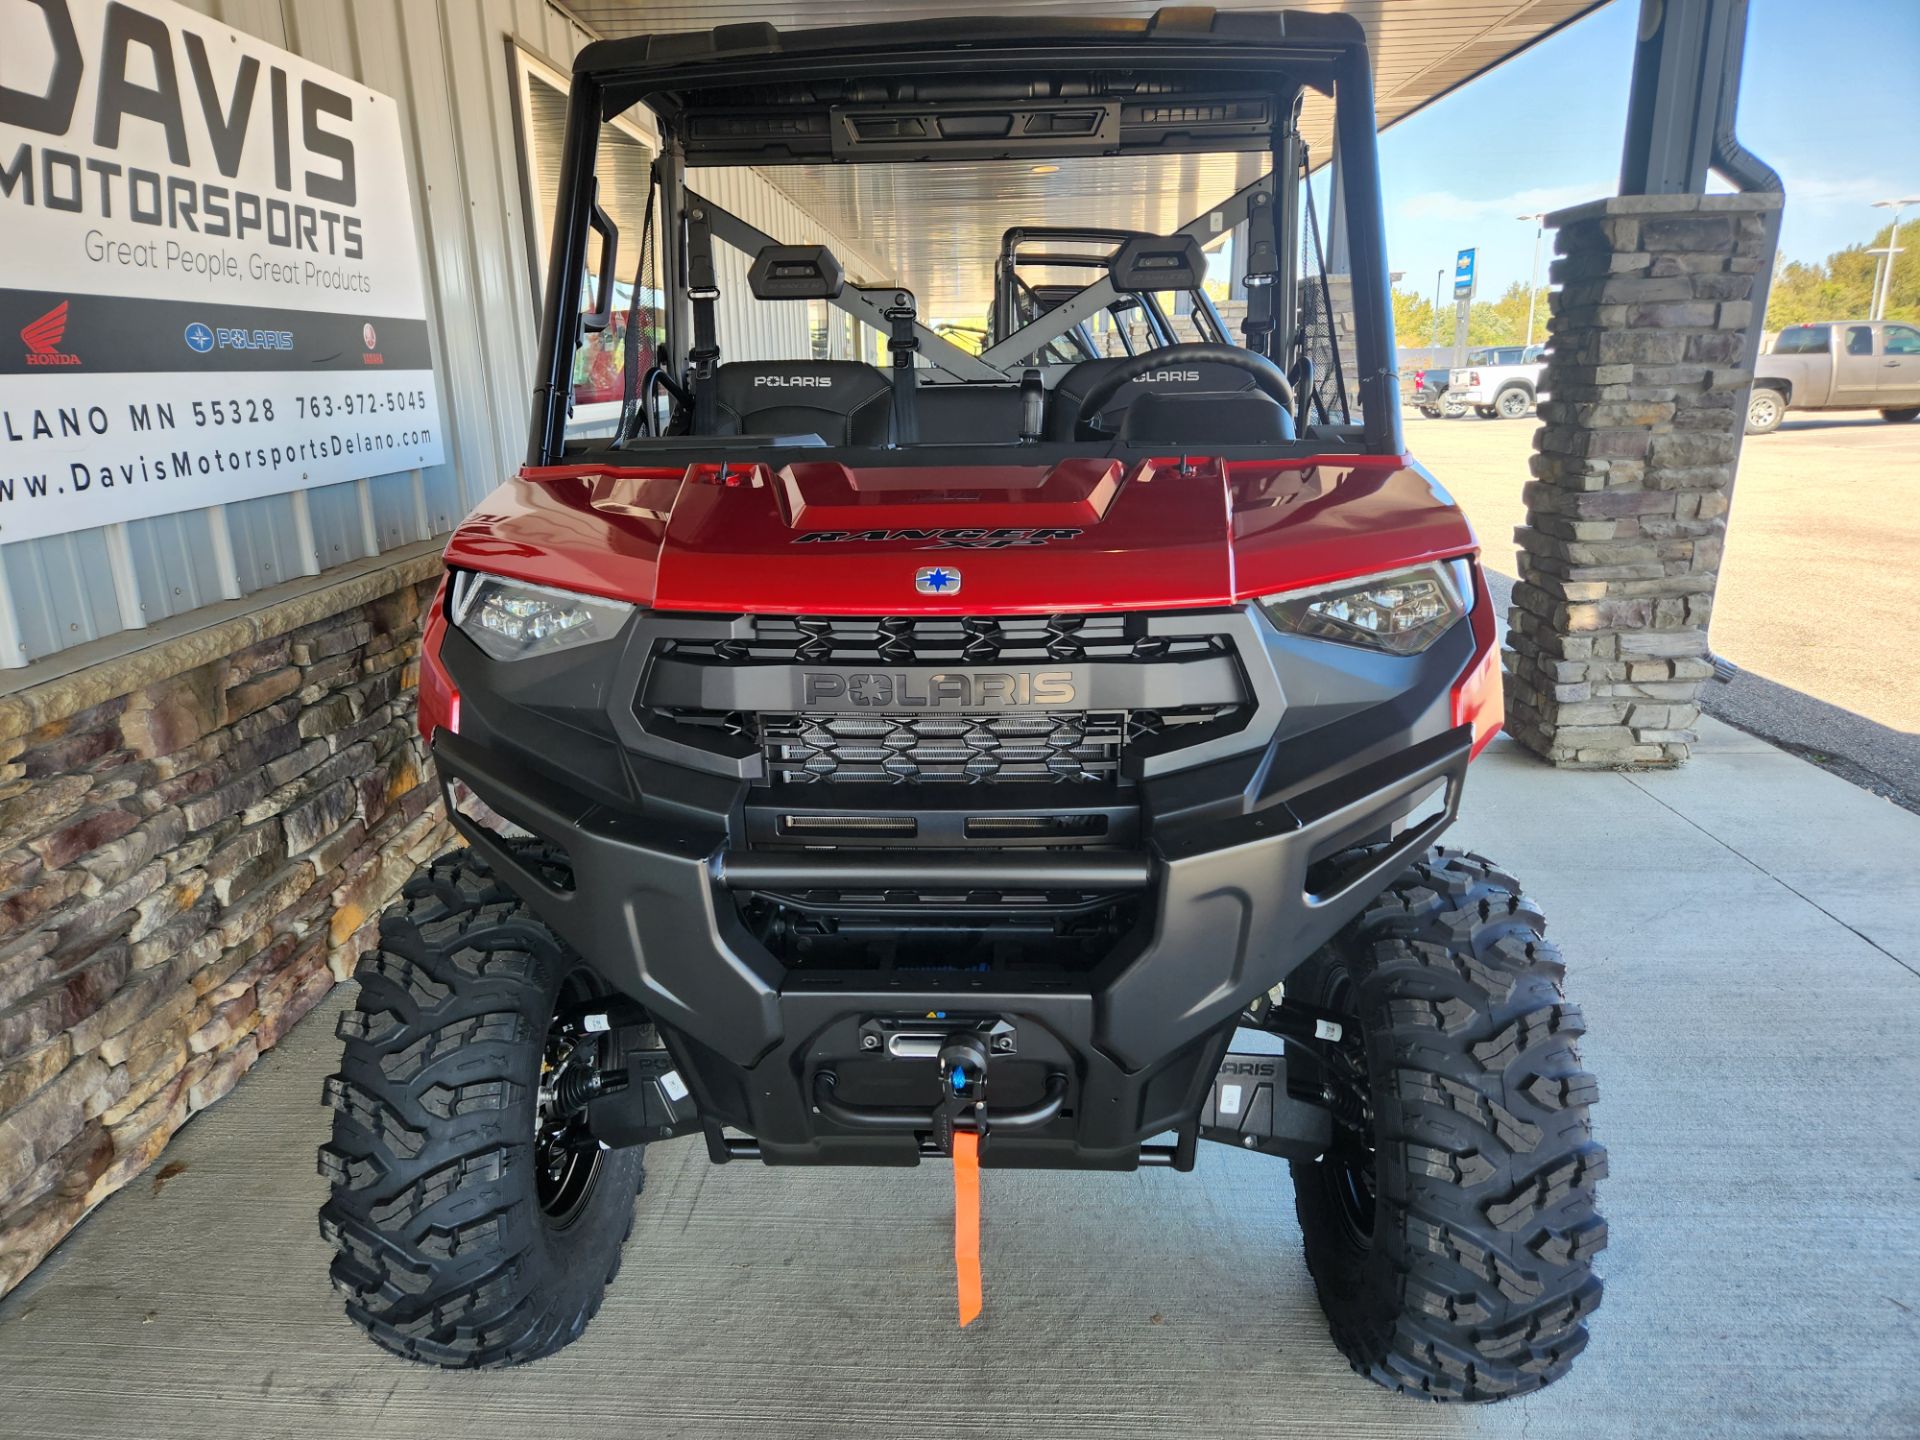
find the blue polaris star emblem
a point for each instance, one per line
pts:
(937, 580)
(199, 338)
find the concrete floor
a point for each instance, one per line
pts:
(1817, 593)
(1742, 935)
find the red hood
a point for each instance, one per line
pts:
(818, 537)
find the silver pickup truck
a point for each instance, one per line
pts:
(1838, 365)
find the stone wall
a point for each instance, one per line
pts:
(1627, 512)
(195, 844)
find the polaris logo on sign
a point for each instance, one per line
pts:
(900, 690)
(1168, 377)
(790, 382)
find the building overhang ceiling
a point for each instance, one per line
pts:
(937, 225)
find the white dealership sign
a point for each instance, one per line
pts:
(210, 287)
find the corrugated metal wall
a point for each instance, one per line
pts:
(448, 65)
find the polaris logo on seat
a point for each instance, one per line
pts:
(788, 382)
(1168, 377)
(898, 690)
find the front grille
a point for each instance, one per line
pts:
(938, 640)
(1044, 747)
(1067, 746)
(1140, 682)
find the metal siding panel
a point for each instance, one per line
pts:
(173, 563)
(472, 441)
(446, 507)
(385, 68)
(257, 17)
(266, 541)
(481, 100)
(334, 511)
(394, 519)
(63, 588)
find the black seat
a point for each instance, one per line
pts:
(1176, 377)
(1172, 418)
(971, 414)
(842, 401)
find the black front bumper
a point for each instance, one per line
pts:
(1234, 874)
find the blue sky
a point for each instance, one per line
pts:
(1830, 98)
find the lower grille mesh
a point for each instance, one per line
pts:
(1051, 747)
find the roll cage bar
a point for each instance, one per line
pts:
(754, 95)
(1009, 288)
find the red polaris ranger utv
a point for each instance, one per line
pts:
(865, 764)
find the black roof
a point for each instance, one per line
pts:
(1169, 26)
(1188, 78)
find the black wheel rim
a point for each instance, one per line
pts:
(566, 1159)
(1350, 1169)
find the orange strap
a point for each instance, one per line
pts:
(966, 1222)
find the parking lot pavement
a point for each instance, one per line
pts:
(1740, 935)
(1820, 589)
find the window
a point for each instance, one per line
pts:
(622, 171)
(1803, 340)
(1860, 340)
(1902, 340)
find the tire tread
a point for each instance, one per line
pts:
(441, 1252)
(1479, 1279)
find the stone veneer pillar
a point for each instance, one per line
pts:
(196, 840)
(1646, 390)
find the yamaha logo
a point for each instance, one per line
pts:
(793, 382)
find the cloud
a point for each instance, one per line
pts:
(1445, 205)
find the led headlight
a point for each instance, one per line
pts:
(1401, 612)
(512, 620)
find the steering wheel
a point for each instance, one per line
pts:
(1268, 377)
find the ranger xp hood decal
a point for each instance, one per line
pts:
(955, 539)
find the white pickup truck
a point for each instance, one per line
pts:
(1837, 365)
(1498, 383)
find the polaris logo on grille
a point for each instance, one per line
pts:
(791, 382)
(959, 690)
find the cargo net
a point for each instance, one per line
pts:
(1317, 347)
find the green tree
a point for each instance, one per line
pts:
(1841, 286)
(1489, 322)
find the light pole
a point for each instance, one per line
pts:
(1533, 275)
(1893, 249)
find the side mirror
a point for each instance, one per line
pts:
(597, 319)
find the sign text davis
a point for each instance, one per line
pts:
(210, 283)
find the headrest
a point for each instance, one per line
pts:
(795, 272)
(1147, 263)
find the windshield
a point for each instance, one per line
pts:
(991, 292)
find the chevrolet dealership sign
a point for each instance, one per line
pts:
(210, 286)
